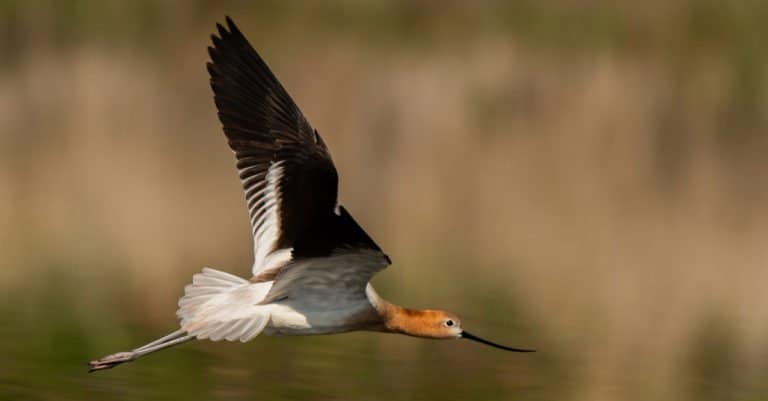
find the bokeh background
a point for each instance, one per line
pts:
(587, 178)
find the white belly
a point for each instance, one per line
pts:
(287, 320)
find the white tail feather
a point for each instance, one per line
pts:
(219, 305)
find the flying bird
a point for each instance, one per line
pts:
(312, 260)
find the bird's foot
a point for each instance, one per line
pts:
(110, 361)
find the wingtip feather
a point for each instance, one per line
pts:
(231, 24)
(222, 31)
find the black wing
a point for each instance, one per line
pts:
(289, 179)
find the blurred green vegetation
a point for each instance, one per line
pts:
(686, 26)
(585, 178)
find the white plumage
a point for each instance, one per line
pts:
(265, 221)
(218, 305)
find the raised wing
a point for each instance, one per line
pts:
(288, 176)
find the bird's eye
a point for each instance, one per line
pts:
(449, 323)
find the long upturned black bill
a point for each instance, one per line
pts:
(468, 336)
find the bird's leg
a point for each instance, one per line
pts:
(176, 334)
(110, 361)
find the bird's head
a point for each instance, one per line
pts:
(438, 324)
(431, 324)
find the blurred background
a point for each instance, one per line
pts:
(584, 178)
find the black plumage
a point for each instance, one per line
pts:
(266, 129)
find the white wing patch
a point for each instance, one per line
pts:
(265, 219)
